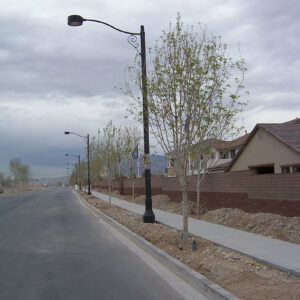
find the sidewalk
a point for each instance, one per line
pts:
(275, 253)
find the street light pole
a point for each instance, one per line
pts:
(76, 174)
(79, 172)
(148, 216)
(88, 157)
(67, 154)
(75, 20)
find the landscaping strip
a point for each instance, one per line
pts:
(194, 278)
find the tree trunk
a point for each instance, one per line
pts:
(133, 197)
(109, 191)
(185, 215)
(132, 175)
(198, 194)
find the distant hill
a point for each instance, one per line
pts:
(158, 166)
(53, 181)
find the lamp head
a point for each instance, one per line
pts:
(67, 132)
(75, 20)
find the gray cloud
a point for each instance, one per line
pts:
(55, 78)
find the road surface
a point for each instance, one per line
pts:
(52, 248)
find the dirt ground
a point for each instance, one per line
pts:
(239, 274)
(267, 224)
(16, 192)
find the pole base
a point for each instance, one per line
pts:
(149, 216)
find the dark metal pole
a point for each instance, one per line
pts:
(76, 174)
(88, 161)
(75, 20)
(149, 216)
(79, 171)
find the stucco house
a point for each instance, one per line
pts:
(222, 154)
(270, 148)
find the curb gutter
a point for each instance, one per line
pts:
(197, 280)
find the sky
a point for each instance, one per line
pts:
(56, 78)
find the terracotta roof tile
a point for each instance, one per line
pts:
(219, 167)
(295, 121)
(218, 144)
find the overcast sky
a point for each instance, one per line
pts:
(55, 78)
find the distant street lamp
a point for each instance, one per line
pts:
(68, 172)
(88, 156)
(76, 173)
(75, 20)
(78, 156)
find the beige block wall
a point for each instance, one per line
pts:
(265, 149)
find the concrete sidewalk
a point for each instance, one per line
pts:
(278, 254)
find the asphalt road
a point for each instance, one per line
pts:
(52, 248)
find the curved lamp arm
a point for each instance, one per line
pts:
(69, 132)
(67, 154)
(76, 20)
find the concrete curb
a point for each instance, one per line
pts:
(263, 256)
(194, 278)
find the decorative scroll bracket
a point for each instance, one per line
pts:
(132, 40)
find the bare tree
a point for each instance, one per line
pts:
(132, 137)
(193, 93)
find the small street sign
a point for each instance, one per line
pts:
(145, 161)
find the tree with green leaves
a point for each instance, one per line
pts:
(110, 147)
(2, 178)
(96, 161)
(19, 172)
(194, 90)
(202, 158)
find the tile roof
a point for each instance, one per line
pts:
(219, 167)
(223, 145)
(218, 144)
(294, 121)
(288, 133)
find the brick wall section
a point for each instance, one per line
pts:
(275, 193)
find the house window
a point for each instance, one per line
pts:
(223, 155)
(232, 153)
(285, 169)
(296, 169)
(263, 169)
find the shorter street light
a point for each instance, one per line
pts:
(78, 156)
(87, 137)
(76, 174)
